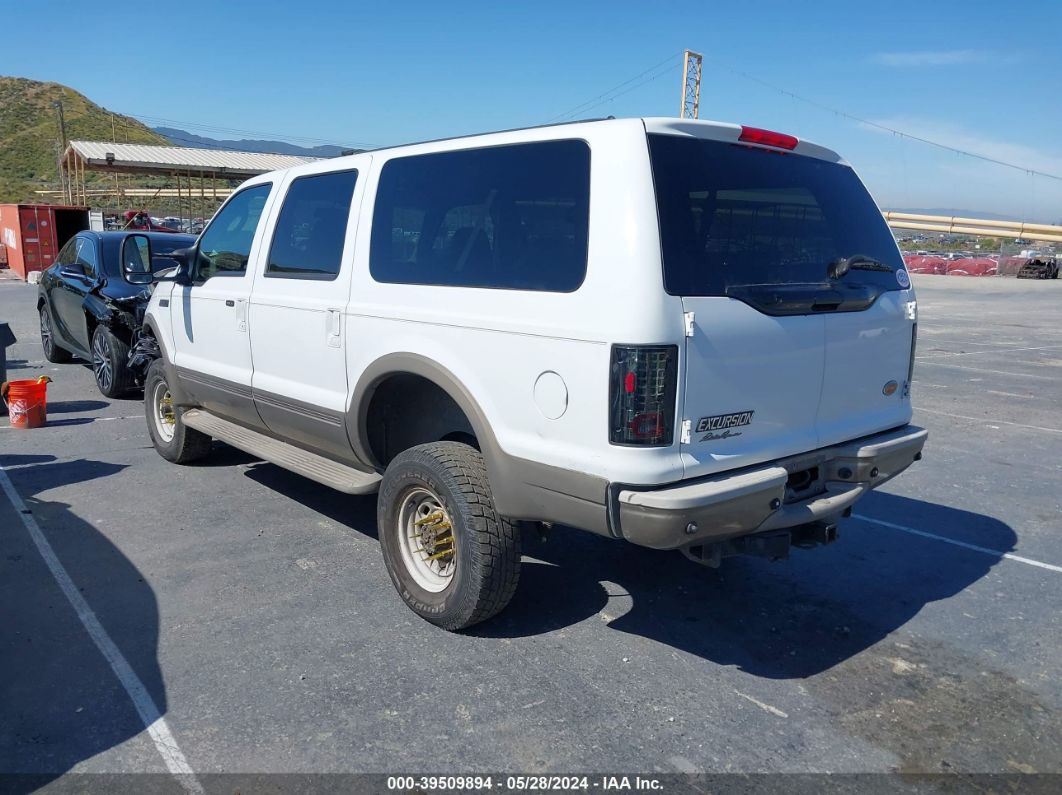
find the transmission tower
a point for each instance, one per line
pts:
(691, 85)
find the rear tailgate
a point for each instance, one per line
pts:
(752, 385)
(801, 317)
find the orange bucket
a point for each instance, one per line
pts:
(27, 403)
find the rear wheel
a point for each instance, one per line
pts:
(453, 559)
(52, 351)
(173, 440)
(109, 363)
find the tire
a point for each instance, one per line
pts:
(52, 352)
(478, 578)
(173, 440)
(109, 363)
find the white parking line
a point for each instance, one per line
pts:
(93, 419)
(993, 552)
(988, 421)
(934, 363)
(1009, 394)
(929, 354)
(145, 706)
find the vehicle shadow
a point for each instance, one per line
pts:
(60, 701)
(74, 406)
(69, 421)
(782, 620)
(22, 364)
(135, 393)
(356, 512)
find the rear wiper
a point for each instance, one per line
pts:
(859, 262)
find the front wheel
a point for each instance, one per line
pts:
(173, 440)
(109, 358)
(453, 559)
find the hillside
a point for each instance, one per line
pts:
(184, 138)
(28, 133)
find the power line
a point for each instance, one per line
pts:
(886, 128)
(601, 99)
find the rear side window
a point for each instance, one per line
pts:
(68, 254)
(87, 261)
(737, 216)
(312, 225)
(507, 217)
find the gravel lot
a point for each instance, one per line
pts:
(254, 607)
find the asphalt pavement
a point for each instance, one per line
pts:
(253, 608)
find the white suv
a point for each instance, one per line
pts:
(685, 334)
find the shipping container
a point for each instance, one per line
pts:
(32, 234)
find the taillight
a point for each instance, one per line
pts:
(754, 135)
(642, 388)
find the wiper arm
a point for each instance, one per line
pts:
(860, 262)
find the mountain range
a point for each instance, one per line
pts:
(184, 138)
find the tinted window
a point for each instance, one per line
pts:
(164, 244)
(510, 217)
(68, 254)
(226, 243)
(309, 234)
(87, 260)
(733, 215)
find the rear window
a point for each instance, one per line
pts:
(735, 216)
(506, 217)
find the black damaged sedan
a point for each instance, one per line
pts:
(92, 300)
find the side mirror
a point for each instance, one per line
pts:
(184, 257)
(136, 260)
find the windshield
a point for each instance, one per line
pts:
(736, 216)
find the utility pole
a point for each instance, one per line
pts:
(61, 125)
(691, 85)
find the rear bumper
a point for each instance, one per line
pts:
(757, 500)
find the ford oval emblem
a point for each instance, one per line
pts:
(889, 389)
(902, 278)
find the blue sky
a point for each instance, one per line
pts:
(981, 76)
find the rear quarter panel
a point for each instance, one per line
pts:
(498, 342)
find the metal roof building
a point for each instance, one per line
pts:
(166, 160)
(195, 172)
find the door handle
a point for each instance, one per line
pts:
(230, 302)
(335, 328)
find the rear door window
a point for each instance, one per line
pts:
(87, 261)
(312, 226)
(735, 216)
(506, 217)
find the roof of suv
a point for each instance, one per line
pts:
(696, 128)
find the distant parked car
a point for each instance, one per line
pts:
(90, 305)
(138, 220)
(1039, 268)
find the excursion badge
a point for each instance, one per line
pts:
(720, 426)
